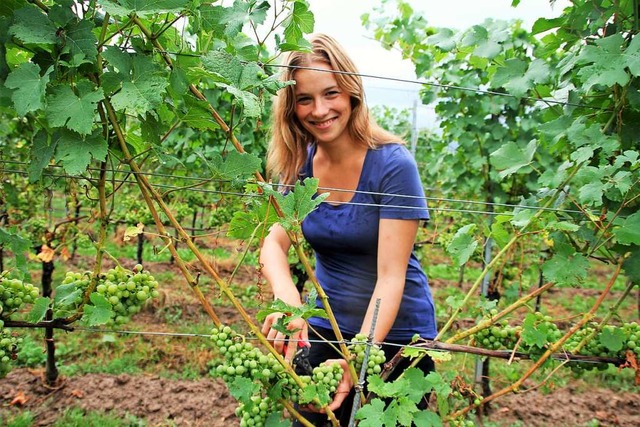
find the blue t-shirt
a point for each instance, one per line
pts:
(345, 240)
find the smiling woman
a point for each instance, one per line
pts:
(363, 233)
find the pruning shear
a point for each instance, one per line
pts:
(301, 364)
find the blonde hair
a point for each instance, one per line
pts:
(287, 150)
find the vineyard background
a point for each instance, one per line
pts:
(135, 133)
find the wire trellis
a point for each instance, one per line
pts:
(429, 199)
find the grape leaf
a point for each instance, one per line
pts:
(242, 389)
(607, 61)
(301, 21)
(632, 264)
(535, 335)
(39, 310)
(8, 7)
(76, 152)
(444, 38)
(76, 112)
(518, 78)
(235, 165)
(67, 294)
(628, 230)
(244, 224)
(275, 420)
(142, 7)
(19, 246)
(510, 158)
(612, 338)
(81, 42)
(31, 26)
(297, 204)
(99, 313)
(29, 87)
(144, 91)
(371, 413)
(463, 244)
(427, 418)
(41, 154)
(197, 115)
(568, 269)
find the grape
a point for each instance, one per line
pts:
(14, 294)
(376, 354)
(8, 350)
(127, 292)
(499, 336)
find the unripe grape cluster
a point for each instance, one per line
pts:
(8, 350)
(242, 359)
(628, 335)
(498, 337)
(127, 292)
(14, 293)
(376, 359)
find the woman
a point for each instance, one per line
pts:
(363, 233)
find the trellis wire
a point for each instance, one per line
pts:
(438, 85)
(239, 194)
(428, 345)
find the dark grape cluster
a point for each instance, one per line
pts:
(500, 336)
(358, 347)
(127, 292)
(14, 293)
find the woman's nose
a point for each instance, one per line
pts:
(320, 108)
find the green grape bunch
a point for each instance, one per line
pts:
(14, 294)
(500, 336)
(127, 292)
(8, 350)
(376, 359)
(610, 341)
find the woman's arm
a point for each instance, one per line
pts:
(395, 243)
(275, 268)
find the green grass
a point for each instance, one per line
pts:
(22, 419)
(77, 418)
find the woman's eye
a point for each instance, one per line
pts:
(333, 93)
(303, 100)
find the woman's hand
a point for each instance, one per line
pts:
(300, 336)
(342, 391)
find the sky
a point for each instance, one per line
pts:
(342, 20)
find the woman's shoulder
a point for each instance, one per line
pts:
(392, 151)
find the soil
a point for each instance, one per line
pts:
(207, 402)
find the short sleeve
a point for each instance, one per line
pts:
(402, 191)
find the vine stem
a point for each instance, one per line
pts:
(150, 195)
(489, 322)
(499, 255)
(238, 146)
(606, 319)
(552, 348)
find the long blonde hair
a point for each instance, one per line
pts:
(287, 151)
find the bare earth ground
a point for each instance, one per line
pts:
(206, 402)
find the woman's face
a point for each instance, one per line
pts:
(322, 106)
